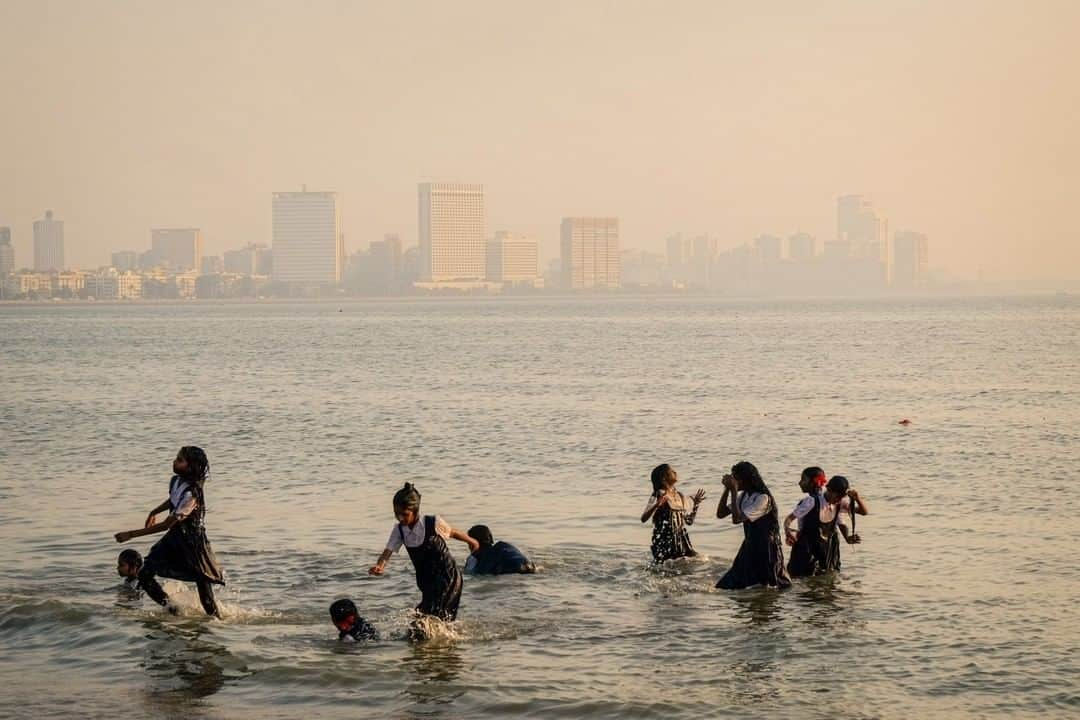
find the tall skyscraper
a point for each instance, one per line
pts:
(513, 258)
(452, 237)
(590, 252)
(177, 248)
(308, 246)
(48, 243)
(860, 225)
(7, 253)
(802, 247)
(910, 261)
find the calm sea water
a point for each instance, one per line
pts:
(543, 418)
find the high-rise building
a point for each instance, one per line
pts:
(452, 236)
(513, 258)
(308, 246)
(124, 260)
(679, 249)
(590, 252)
(252, 259)
(860, 225)
(802, 247)
(7, 252)
(48, 243)
(910, 260)
(176, 248)
(769, 248)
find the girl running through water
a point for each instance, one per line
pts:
(424, 537)
(184, 553)
(671, 514)
(760, 560)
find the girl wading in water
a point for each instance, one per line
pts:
(760, 560)
(424, 537)
(184, 553)
(671, 514)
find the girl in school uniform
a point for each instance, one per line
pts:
(816, 546)
(671, 514)
(760, 560)
(185, 552)
(424, 537)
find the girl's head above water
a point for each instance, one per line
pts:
(191, 463)
(407, 504)
(663, 476)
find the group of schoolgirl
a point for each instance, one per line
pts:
(185, 553)
(814, 541)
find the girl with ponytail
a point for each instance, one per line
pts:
(424, 537)
(184, 553)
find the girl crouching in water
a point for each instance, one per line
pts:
(760, 560)
(671, 515)
(424, 537)
(184, 553)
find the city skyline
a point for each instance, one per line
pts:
(732, 123)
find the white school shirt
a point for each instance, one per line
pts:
(415, 535)
(827, 511)
(753, 505)
(181, 498)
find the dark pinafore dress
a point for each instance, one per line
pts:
(817, 551)
(760, 560)
(185, 552)
(670, 539)
(437, 574)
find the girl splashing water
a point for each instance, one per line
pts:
(184, 553)
(671, 515)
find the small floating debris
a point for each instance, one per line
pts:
(905, 421)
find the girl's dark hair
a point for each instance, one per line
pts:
(482, 535)
(659, 477)
(812, 472)
(838, 484)
(198, 464)
(750, 481)
(197, 473)
(342, 609)
(130, 556)
(408, 497)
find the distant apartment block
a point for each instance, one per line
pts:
(452, 232)
(910, 260)
(308, 246)
(7, 252)
(113, 285)
(48, 243)
(211, 265)
(513, 259)
(252, 259)
(176, 248)
(590, 252)
(802, 247)
(124, 260)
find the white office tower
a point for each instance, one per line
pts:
(452, 237)
(513, 259)
(590, 252)
(48, 243)
(308, 246)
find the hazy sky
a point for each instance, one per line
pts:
(959, 118)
